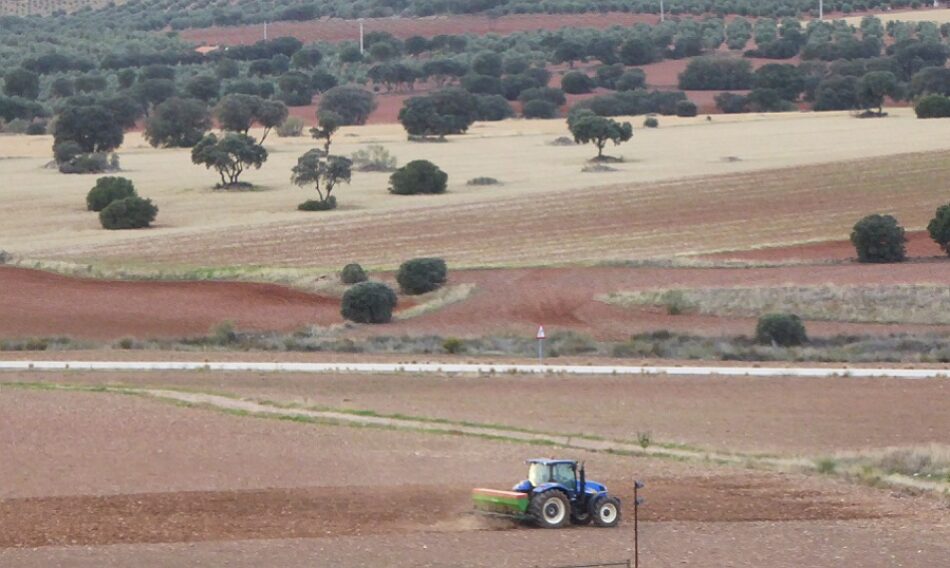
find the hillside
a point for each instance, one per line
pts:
(46, 7)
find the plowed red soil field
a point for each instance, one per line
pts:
(94, 479)
(504, 301)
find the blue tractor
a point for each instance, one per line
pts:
(556, 492)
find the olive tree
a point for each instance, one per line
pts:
(328, 123)
(178, 123)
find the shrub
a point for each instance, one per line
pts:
(36, 128)
(482, 181)
(651, 122)
(421, 275)
(453, 345)
(878, 238)
(291, 128)
(539, 108)
(92, 163)
(373, 158)
(781, 329)
(731, 103)
(353, 274)
(368, 302)
(716, 73)
(418, 176)
(493, 108)
(631, 80)
(939, 227)
(107, 190)
(576, 83)
(354, 105)
(130, 213)
(686, 108)
(933, 106)
(16, 126)
(327, 204)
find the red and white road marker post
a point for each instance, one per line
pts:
(540, 338)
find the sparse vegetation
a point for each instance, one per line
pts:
(291, 128)
(910, 304)
(373, 158)
(483, 180)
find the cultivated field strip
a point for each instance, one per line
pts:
(613, 223)
(467, 368)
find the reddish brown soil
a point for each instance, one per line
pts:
(43, 304)
(919, 245)
(504, 301)
(73, 462)
(92, 479)
(718, 413)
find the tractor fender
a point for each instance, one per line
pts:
(551, 485)
(524, 487)
(593, 486)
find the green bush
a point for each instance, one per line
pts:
(107, 190)
(130, 213)
(879, 238)
(577, 83)
(418, 176)
(933, 106)
(686, 108)
(421, 275)
(353, 274)
(539, 108)
(781, 329)
(939, 227)
(328, 204)
(651, 122)
(368, 302)
(453, 345)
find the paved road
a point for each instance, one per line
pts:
(487, 368)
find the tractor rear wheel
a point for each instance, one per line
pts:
(550, 510)
(606, 512)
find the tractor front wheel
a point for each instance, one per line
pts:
(550, 510)
(606, 512)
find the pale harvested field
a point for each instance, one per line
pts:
(547, 211)
(940, 16)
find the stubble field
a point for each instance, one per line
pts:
(689, 187)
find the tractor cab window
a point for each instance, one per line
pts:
(564, 474)
(539, 474)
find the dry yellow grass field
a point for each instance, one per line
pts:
(940, 16)
(691, 186)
